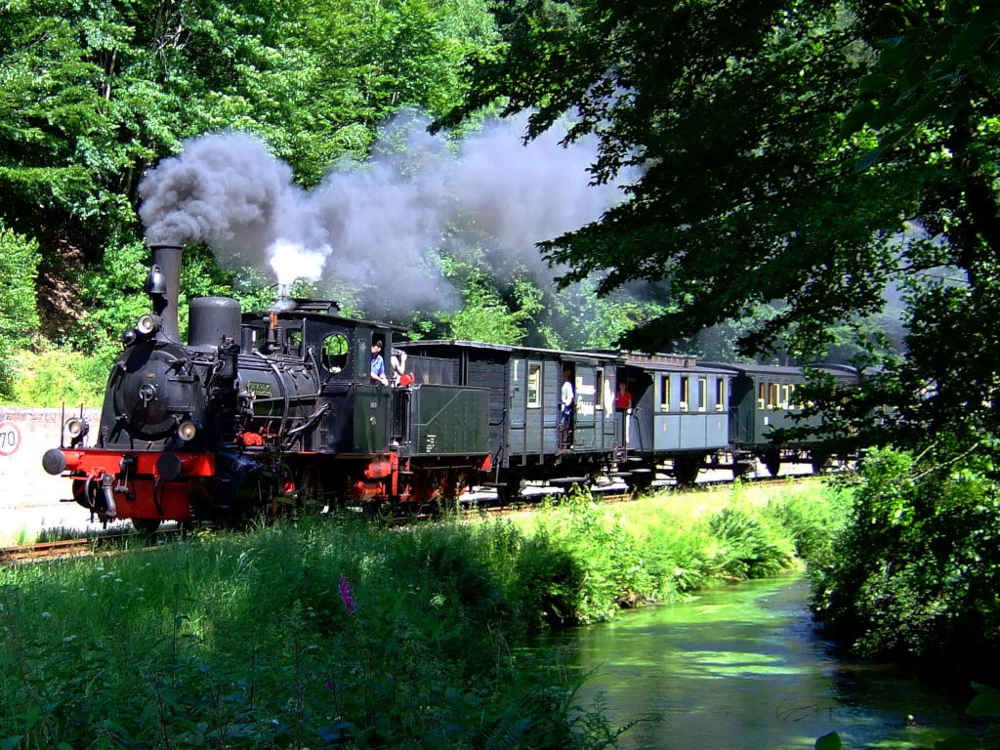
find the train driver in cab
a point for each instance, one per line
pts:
(377, 367)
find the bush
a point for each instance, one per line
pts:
(323, 635)
(916, 570)
(18, 313)
(56, 377)
(752, 547)
(812, 518)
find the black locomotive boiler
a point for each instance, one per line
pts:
(260, 409)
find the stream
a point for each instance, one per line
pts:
(741, 667)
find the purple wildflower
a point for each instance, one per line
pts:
(345, 595)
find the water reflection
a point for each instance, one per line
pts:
(741, 667)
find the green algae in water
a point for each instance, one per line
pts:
(741, 667)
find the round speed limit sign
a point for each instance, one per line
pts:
(10, 438)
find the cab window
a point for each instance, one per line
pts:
(335, 350)
(293, 343)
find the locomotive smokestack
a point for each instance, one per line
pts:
(163, 291)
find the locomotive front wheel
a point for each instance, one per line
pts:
(146, 526)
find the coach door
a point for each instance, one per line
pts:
(534, 407)
(584, 431)
(604, 408)
(518, 406)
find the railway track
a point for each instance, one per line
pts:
(64, 549)
(61, 549)
(113, 543)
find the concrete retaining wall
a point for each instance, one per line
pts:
(25, 435)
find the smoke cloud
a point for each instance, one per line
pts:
(373, 224)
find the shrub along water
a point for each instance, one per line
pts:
(916, 571)
(583, 561)
(334, 632)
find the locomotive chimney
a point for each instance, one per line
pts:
(163, 287)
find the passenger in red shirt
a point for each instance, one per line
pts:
(623, 399)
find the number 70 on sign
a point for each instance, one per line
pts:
(10, 438)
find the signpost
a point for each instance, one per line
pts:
(10, 438)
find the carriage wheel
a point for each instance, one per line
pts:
(640, 481)
(772, 460)
(686, 469)
(820, 462)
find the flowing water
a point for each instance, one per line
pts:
(740, 667)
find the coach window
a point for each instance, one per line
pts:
(664, 393)
(772, 395)
(685, 393)
(598, 388)
(792, 403)
(785, 393)
(335, 349)
(720, 394)
(761, 395)
(702, 394)
(534, 384)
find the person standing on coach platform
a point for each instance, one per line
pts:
(567, 397)
(377, 368)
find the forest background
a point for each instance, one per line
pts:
(95, 94)
(789, 180)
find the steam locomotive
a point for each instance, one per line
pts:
(260, 410)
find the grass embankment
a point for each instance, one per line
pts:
(332, 632)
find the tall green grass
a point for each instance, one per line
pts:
(321, 635)
(331, 632)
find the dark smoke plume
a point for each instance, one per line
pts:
(374, 223)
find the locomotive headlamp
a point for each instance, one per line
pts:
(147, 325)
(75, 427)
(187, 431)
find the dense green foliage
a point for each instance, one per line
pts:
(18, 316)
(915, 572)
(94, 95)
(58, 377)
(583, 561)
(866, 156)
